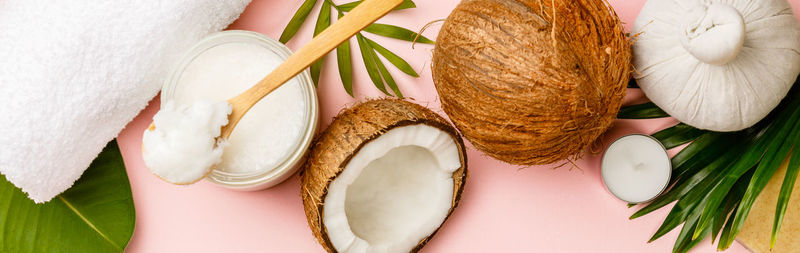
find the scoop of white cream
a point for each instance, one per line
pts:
(183, 147)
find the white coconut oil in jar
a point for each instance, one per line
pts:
(269, 142)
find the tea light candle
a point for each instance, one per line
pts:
(636, 168)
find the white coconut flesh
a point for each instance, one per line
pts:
(394, 192)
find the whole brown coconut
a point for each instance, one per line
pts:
(531, 81)
(353, 130)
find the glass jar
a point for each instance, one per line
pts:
(244, 165)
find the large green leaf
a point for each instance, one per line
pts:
(95, 215)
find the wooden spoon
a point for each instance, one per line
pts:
(360, 17)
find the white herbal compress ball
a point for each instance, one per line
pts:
(716, 65)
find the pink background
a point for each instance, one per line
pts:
(504, 208)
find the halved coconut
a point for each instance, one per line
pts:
(383, 177)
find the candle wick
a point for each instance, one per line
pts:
(639, 166)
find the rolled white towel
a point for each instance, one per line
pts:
(74, 73)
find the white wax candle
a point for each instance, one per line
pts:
(636, 168)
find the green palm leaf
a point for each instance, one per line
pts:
(345, 65)
(726, 230)
(684, 242)
(765, 147)
(641, 111)
(785, 193)
(678, 135)
(297, 20)
(717, 177)
(731, 201)
(396, 32)
(766, 169)
(696, 190)
(685, 184)
(323, 22)
(369, 63)
(349, 6)
(375, 68)
(398, 62)
(703, 151)
(344, 62)
(387, 77)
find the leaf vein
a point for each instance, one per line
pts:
(91, 225)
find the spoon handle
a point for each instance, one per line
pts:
(356, 20)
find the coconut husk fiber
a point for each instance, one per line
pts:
(532, 81)
(350, 131)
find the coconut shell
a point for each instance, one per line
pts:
(352, 129)
(532, 81)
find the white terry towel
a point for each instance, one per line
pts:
(74, 73)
